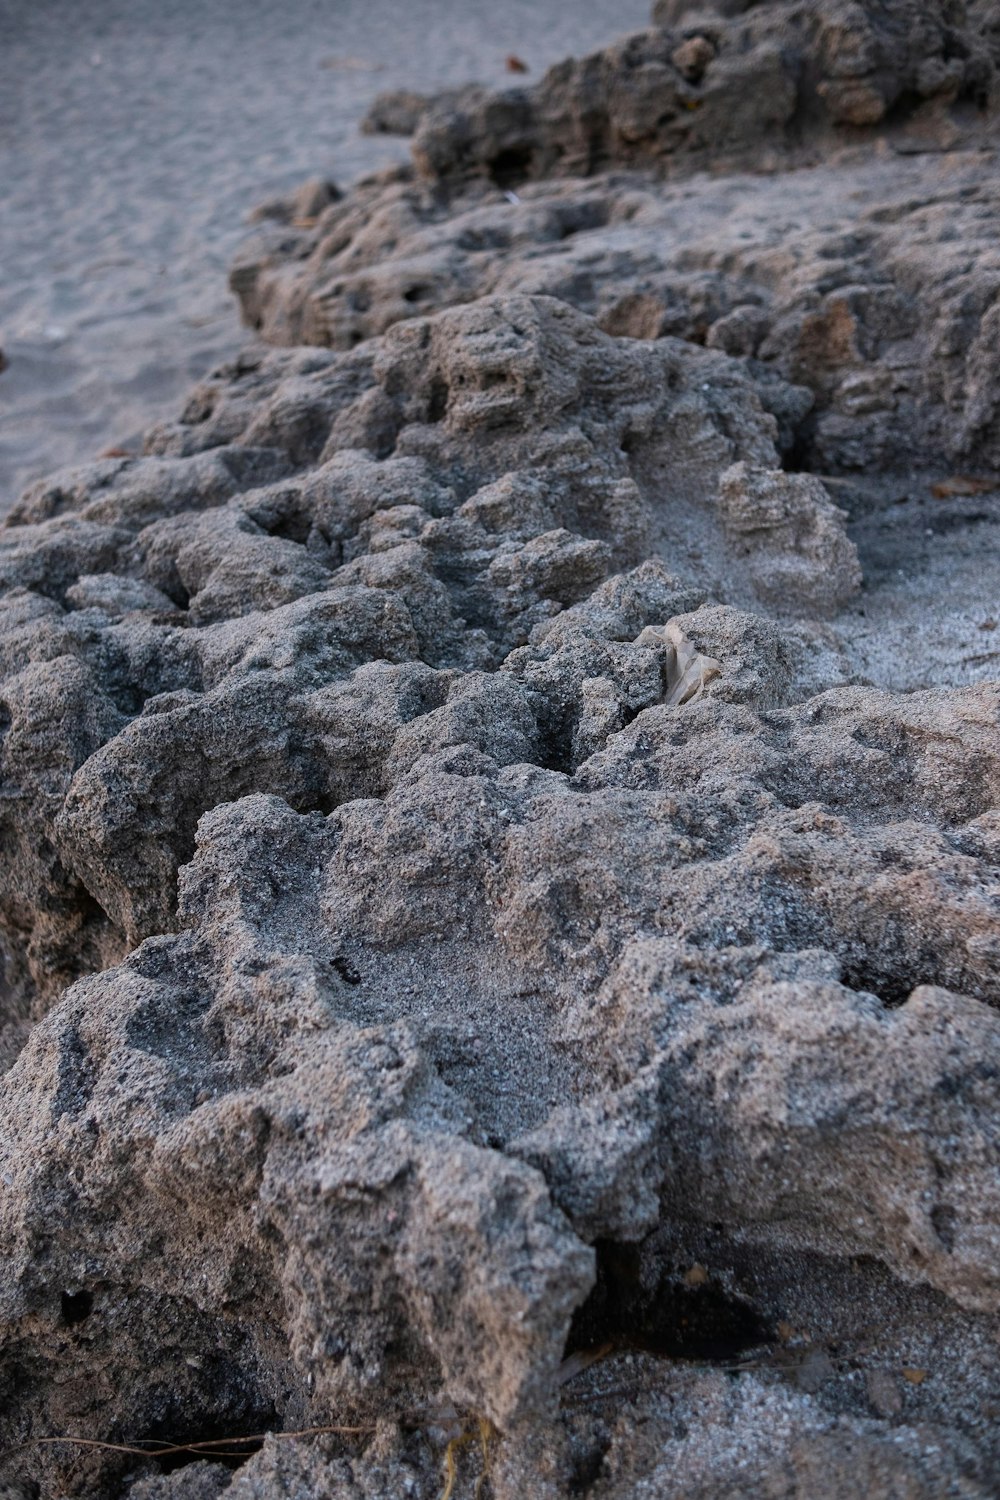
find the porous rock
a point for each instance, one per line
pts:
(873, 285)
(872, 289)
(243, 639)
(708, 85)
(493, 994)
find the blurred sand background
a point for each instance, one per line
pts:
(135, 137)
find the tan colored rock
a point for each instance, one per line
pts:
(500, 935)
(800, 558)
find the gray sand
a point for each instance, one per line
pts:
(135, 135)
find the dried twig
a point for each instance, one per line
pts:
(485, 1432)
(223, 1447)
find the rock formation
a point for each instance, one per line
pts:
(874, 285)
(501, 912)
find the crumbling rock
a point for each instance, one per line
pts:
(324, 1057)
(486, 972)
(873, 285)
(799, 555)
(709, 82)
(213, 643)
(873, 288)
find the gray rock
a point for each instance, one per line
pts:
(492, 992)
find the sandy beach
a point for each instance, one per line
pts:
(136, 137)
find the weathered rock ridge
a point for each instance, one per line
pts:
(502, 940)
(875, 285)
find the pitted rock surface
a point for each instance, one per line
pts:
(870, 277)
(313, 618)
(871, 282)
(501, 910)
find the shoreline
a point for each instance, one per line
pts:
(133, 146)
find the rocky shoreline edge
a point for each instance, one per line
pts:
(501, 813)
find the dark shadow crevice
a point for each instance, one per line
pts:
(643, 1303)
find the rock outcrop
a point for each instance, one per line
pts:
(500, 987)
(334, 551)
(709, 81)
(874, 286)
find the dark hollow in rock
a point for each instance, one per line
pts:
(640, 1305)
(76, 1306)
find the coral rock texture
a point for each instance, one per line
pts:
(501, 806)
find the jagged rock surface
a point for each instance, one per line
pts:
(523, 969)
(706, 85)
(208, 628)
(874, 284)
(874, 287)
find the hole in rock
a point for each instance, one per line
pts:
(641, 1302)
(587, 1466)
(346, 970)
(438, 402)
(76, 1306)
(511, 167)
(290, 527)
(557, 741)
(906, 104)
(199, 408)
(128, 697)
(893, 989)
(234, 1415)
(578, 219)
(323, 803)
(796, 446)
(944, 1218)
(176, 591)
(231, 1454)
(90, 941)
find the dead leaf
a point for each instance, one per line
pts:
(962, 484)
(114, 453)
(913, 1375)
(515, 64)
(786, 1333)
(697, 1276)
